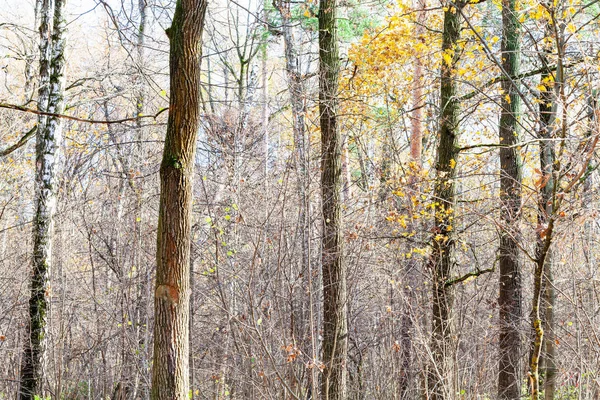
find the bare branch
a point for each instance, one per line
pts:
(20, 143)
(69, 117)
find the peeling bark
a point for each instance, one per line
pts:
(49, 136)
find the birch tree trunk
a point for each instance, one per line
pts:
(170, 373)
(50, 99)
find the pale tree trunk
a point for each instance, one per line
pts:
(170, 372)
(50, 99)
(509, 298)
(302, 331)
(335, 329)
(29, 89)
(411, 266)
(441, 260)
(137, 185)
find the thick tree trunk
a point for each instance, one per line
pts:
(335, 329)
(170, 374)
(509, 298)
(441, 261)
(50, 99)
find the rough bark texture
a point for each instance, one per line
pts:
(440, 263)
(335, 330)
(170, 375)
(50, 99)
(509, 298)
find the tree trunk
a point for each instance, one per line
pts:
(546, 208)
(335, 330)
(303, 333)
(137, 184)
(440, 263)
(411, 266)
(509, 298)
(49, 133)
(170, 374)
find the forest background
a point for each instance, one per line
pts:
(468, 194)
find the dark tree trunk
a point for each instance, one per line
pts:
(50, 99)
(170, 373)
(335, 330)
(509, 298)
(442, 243)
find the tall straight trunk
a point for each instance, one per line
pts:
(412, 266)
(509, 297)
(442, 243)
(335, 329)
(170, 373)
(49, 134)
(302, 309)
(29, 61)
(137, 186)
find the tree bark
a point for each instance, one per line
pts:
(510, 291)
(335, 330)
(442, 243)
(546, 209)
(170, 373)
(49, 136)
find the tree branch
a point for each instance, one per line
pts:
(69, 117)
(20, 143)
(523, 75)
(471, 274)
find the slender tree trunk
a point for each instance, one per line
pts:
(302, 312)
(550, 367)
(335, 330)
(546, 208)
(440, 263)
(29, 89)
(137, 185)
(170, 373)
(50, 99)
(411, 266)
(509, 298)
